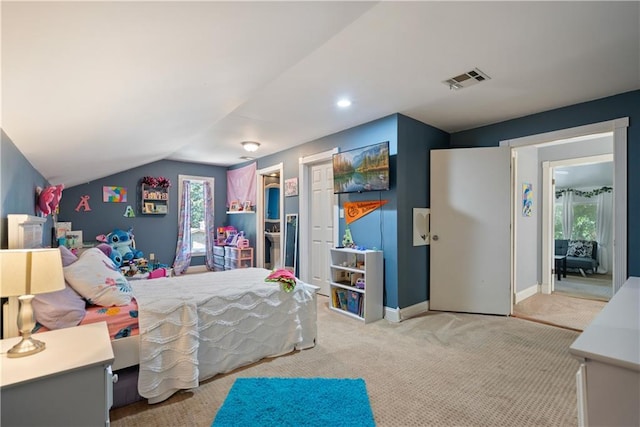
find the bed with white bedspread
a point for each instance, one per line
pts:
(196, 326)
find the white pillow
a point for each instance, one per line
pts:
(98, 280)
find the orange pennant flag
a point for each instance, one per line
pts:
(356, 210)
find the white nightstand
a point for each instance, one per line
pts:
(68, 384)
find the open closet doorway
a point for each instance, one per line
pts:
(269, 217)
(582, 226)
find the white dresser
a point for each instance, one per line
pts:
(68, 384)
(609, 350)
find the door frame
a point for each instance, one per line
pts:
(260, 174)
(619, 128)
(304, 170)
(548, 206)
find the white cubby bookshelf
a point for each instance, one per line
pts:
(348, 265)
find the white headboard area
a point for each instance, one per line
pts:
(24, 232)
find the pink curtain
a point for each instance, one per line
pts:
(241, 185)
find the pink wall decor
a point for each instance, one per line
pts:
(83, 204)
(241, 184)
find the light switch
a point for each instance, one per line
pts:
(341, 213)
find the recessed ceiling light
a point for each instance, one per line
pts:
(250, 146)
(343, 103)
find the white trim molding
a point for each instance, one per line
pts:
(526, 293)
(397, 315)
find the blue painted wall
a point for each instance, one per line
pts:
(153, 233)
(379, 228)
(390, 227)
(18, 182)
(415, 142)
(610, 108)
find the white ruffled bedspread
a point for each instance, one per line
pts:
(196, 326)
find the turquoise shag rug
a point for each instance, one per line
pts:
(267, 402)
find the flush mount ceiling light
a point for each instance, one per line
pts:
(343, 103)
(250, 146)
(467, 79)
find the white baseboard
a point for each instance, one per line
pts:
(526, 293)
(397, 315)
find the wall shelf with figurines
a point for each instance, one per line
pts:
(154, 195)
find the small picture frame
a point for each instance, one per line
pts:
(291, 187)
(161, 209)
(149, 208)
(246, 206)
(234, 206)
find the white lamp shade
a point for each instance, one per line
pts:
(30, 271)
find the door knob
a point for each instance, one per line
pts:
(435, 237)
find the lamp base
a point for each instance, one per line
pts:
(26, 347)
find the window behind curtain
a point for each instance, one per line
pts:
(584, 221)
(196, 196)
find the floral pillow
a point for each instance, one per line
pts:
(98, 280)
(580, 248)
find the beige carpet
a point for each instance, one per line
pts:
(559, 310)
(439, 369)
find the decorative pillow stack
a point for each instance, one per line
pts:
(580, 248)
(98, 280)
(60, 309)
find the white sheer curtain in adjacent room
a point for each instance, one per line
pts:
(567, 214)
(604, 231)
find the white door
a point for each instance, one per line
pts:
(321, 223)
(470, 261)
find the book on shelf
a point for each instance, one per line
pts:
(353, 302)
(342, 299)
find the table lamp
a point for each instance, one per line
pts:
(24, 273)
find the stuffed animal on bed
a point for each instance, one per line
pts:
(111, 253)
(122, 242)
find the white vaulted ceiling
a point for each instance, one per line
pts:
(94, 88)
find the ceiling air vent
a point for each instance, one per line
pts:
(467, 79)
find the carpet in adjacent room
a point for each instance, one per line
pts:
(296, 402)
